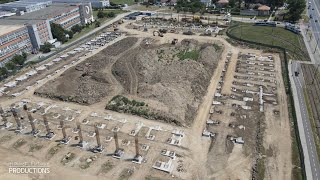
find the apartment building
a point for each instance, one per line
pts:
(14, 39)
(36, 27)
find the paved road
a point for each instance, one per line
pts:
(309, 149)
(315, 13)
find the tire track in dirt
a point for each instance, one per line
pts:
(108, 70)
(133, 78)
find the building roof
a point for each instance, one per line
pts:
(38, 16)
(264, 8)
(21, 4)
(8, 28)
(223, 2)
(46, 13)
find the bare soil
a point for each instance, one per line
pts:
(154, 73)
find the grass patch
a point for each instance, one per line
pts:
(19, 143)
(128, 2)
(115, 11)
(68, 158)
(124, 105)
(92, 26)
(82, 33)
(5, 138)
(313, 123)
(35, 147)
(52, 151)
(106, 167)
(216, 47)
(150, 8)
(257, 17)
(185, 54)
(125, 174)
(275, 36)
(261, 168)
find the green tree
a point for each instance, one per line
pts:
(111, 14)
(18, 60)
(70, 33)
(10, 65)
(296, 8)
(46, 47)
(3, 72)
(232, 3)
(190, 6)
(58, 32)
(76, 28)
(24, 55)
(100, 14)
(97, 24)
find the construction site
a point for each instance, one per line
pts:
(141, 101)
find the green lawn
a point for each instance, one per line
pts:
(92, 26)
(273, 36)
(83, 32)
(128, 2)
(194, 55)
(116, 11)
(257, 17)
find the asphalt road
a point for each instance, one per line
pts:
(315, 13)
(311, 159)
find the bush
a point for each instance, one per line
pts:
(100, 14)
(76, 28)
(46, 47)
(58, 32)
(10, 66)
(97, 24)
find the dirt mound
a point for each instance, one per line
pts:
(119, 47)
(89, 81)
(177, 76)
(170, 79)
